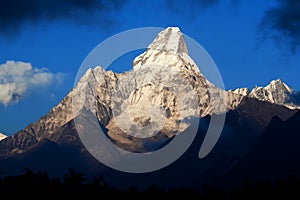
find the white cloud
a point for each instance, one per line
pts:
(19, 78)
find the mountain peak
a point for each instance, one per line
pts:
(279, 84)
(167, 49)
(277, 81)
(277, 92)
(2, 136)
(171, 40)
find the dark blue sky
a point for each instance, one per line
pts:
(252, 43)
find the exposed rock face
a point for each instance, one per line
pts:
(241, 91)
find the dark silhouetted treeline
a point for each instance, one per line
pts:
(74, 184)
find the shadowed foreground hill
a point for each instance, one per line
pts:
(274, 154)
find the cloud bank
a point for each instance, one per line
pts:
(18, 79)
(14, 13)
(282, 23)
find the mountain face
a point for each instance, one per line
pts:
(2, 136)
(143, 109)
(169, 50)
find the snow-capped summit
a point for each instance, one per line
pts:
(169, 52)
(167, 49)
(277, 92)
(170, 39)
(2, 136)
(279, 84)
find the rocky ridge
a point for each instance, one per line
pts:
(277, 92)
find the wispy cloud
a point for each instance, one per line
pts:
(282, 24)
(18, 79)
(14, 13)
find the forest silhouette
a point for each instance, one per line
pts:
(74, 184)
